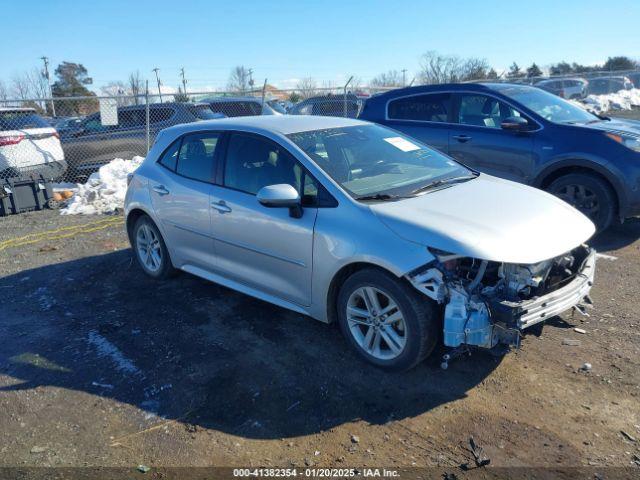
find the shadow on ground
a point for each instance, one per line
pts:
(190, 350)
(617, 236)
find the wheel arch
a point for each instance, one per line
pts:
(339, 278)
(569, 166)
(132, 217)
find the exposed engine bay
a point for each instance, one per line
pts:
(488, 303)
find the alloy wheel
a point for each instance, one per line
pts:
(148, 247)
(376, 323)
(581, 198)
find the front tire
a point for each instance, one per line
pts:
(589, 194)
(150, 249)
(388, 323)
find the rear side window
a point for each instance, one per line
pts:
(132, 118)
(17, 120)
(427, 108)
(169, 158)
(196, 158)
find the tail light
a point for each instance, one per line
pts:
(11, 140)
(56, 134)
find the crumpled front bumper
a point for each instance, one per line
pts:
(526, 313)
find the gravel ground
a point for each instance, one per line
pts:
(102, 366)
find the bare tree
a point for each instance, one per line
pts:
(4, 92)
(21, 87)
(392, 78)
(307, 87)
(438, 68)
(136, 85)
(239, 79)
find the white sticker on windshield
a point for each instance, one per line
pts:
(402, 144)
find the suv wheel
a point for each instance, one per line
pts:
(589, 194)
(150, 249)
(387, 322)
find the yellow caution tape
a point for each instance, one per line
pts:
(68, 232)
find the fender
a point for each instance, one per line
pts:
(591, 162)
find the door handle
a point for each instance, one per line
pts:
(221, 206)
(161, 190)
(462, 138)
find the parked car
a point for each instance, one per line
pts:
(565, 87)
(90, 144)
(525, 134)
(605, 85)
(635, 79)
(240, 106)
(29, 145)
(66, 124)
(328, 106)
(349, 221)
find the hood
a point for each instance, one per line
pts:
(616, 125)
(490, 219)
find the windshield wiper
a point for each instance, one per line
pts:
(443, 181)
(380, 196)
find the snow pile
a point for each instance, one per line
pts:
(622, 100)
(105, 189)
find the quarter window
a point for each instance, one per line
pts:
(196, 158)
(169, 158)
(427, 108)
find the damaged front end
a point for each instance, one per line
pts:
(489, 303)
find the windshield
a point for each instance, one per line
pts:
(203, 112)
(21, 119)
(275, 104)
(547, 105)
(371, 160)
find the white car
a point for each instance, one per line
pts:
(29, 145)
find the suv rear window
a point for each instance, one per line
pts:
(237, 109)
(18, 120)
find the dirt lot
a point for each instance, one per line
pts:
(101, 366)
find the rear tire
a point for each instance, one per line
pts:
(150, 249)
(387, 322)
(589, 194)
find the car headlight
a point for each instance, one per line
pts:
(628, 141)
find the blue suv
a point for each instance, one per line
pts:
(527, 135)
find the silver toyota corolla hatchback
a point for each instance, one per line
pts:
(348, 221)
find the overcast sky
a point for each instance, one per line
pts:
(284, 40)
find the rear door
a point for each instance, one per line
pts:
(477, 139)
(423, 116)
(180, 193)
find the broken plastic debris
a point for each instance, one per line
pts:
(143, 468)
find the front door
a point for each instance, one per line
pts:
(263, 248)
(477, 139)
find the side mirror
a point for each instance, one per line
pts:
(281, 196)
(518, 124)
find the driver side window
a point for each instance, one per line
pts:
(483, 111)
(253, 162)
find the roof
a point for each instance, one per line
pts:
(16, 109)
(230, 99)
(280, 124)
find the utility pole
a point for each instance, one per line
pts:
(404, 77)
(158, 79)
(251, 78)
(184, 81)
(45, 74)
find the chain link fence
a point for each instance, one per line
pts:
(67, 139)
(88, 132)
